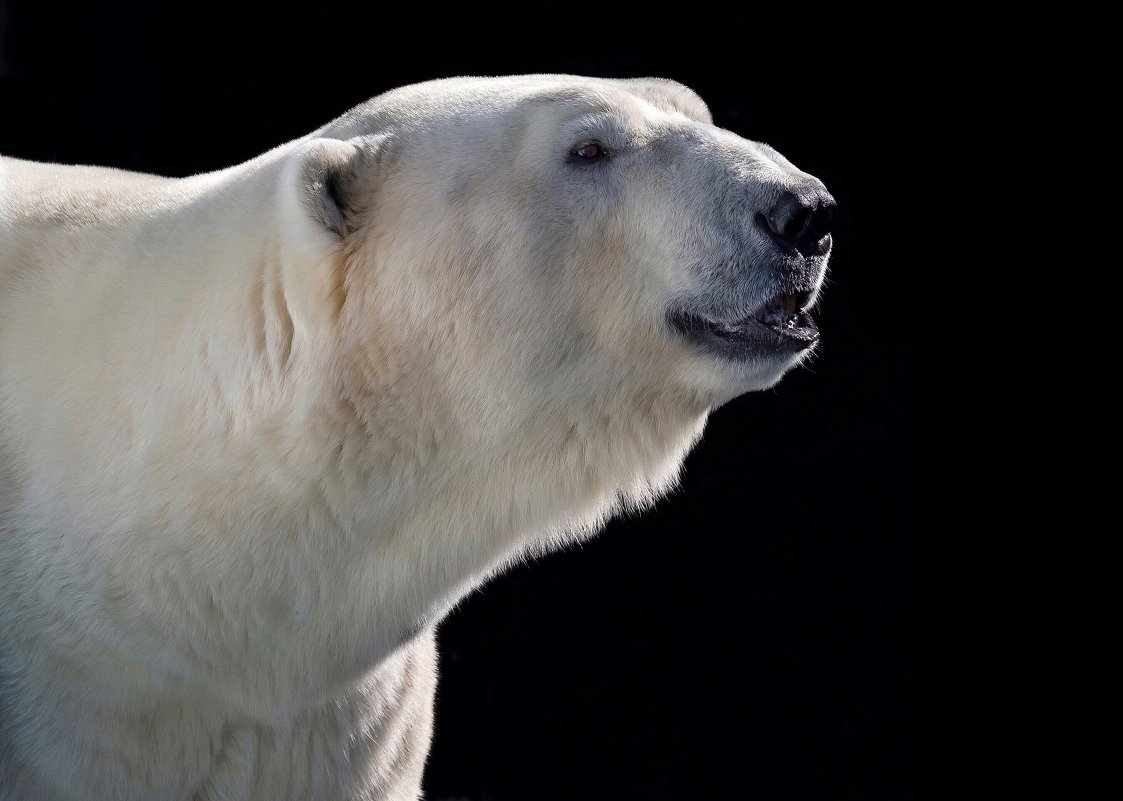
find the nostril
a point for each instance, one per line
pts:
(816, 239)
(795, 224)
(803, 223)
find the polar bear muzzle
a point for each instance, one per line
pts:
(780, 271)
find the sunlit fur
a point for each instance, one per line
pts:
(254, 446)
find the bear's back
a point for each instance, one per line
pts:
(32, 192)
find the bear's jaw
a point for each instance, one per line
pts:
(781, 325)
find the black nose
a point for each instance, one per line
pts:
(803, 221)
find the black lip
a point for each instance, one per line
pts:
(780, 326)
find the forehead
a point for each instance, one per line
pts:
(563, 97)
(582, 111)
(461, 114)
(619, 114)
(636, 100)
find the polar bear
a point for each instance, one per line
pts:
(261, 428)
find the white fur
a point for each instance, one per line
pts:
(247, 462)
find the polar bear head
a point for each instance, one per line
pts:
(552, 235)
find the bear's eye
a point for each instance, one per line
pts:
(591, 151)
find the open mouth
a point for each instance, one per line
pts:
(781, 324)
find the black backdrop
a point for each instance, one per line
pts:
(754, 635)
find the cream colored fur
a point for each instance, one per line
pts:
(254, 444)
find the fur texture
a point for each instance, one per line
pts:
(261, 428)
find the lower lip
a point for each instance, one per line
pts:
(799, 329)
(750, 337)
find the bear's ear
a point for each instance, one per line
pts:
(324, 189)
(671, 96)
(332, 181)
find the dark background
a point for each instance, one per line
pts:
(754, 636)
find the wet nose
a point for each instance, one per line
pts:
(802, 221)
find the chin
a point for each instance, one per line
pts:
(766, 372)
(720, 381)
(733, 357)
